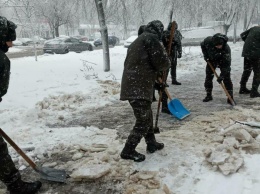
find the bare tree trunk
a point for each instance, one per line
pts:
(124, 19)
(141, 12)
(226, 27)
(56, 30)
(245, 18)
(235, 30)
(104, 34)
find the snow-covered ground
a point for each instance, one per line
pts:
(57, 88)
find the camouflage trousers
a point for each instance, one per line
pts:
(8, 171)
(144, 121)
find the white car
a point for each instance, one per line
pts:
(129, 41)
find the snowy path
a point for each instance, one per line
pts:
(60, 124)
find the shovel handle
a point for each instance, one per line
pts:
(222, 85)
(166, 91)
(158, 109)
(19, 151)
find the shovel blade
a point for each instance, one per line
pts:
(177, 109)
(51, 174)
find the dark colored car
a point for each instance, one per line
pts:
(112, 40)
(64, 45)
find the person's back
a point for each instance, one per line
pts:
(251, 47)
(251, 54)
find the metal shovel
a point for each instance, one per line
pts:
(45, 172)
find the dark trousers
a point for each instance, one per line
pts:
(248, 67)
(144, 121)
(225, 73)
(8, 171)
(173, 68)
(164, 100)
(256, 69)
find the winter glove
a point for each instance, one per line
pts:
(159, 86)
(179, 55)
(220, 79)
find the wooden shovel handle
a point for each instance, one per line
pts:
(19, 151)
(222, 84)
(171, 37)
(158, 109)
(166, 91)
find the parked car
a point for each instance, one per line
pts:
(129, 41)
(19, 43)
(64, 45)
(27, 41)
(116, 39)
(112, 40)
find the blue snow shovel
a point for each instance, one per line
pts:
(176, 107)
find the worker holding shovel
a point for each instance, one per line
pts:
(145, 58)
(217, 54)
(9, 174)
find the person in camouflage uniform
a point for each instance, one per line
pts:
(216, 51)
(251, 54)
(9, 174)
(145, 57)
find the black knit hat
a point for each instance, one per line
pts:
(219, 39)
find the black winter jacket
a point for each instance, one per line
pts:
(251, 47)
(145, 57)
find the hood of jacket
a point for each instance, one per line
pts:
(155, 27)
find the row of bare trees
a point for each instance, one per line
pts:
(129, 14)
(188, 13)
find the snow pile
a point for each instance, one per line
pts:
(68, 106)
(228, 155)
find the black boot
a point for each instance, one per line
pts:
(165, 108)
(254, 94)
(152, 144)
(244, 90)
(129, 152)
(11, 177)
(174, 82)
(154, 99)
(20, 187)
(208, 98)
